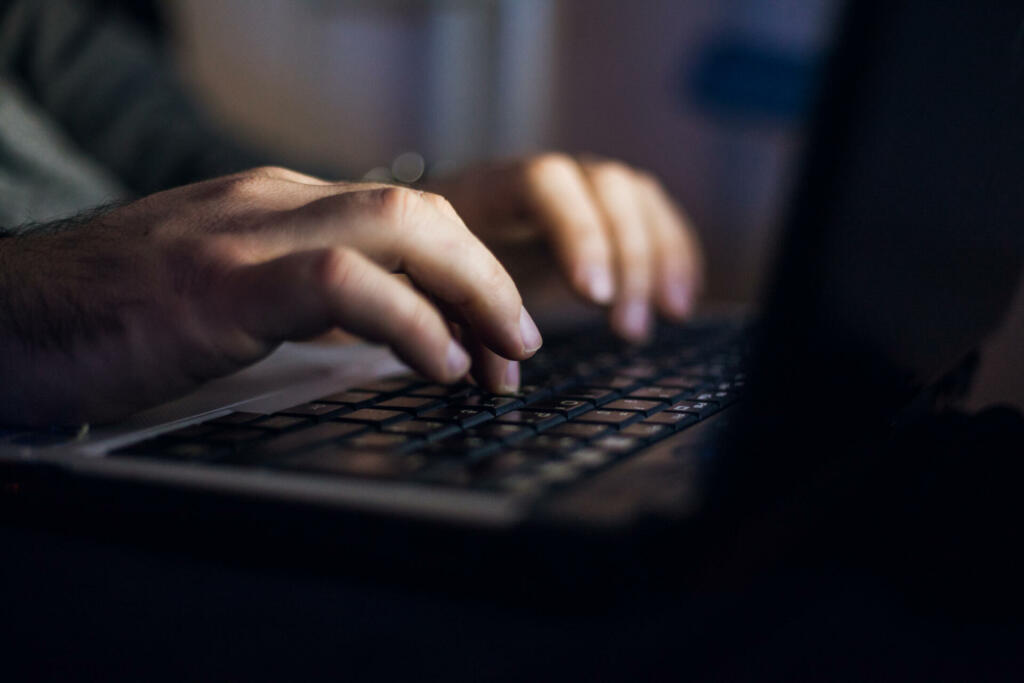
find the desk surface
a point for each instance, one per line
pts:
(76, 608)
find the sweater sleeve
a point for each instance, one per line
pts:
(108, 87)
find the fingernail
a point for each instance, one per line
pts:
(636, 318)
(510, 383)
(599, 284)
(529, 332)
(679, 298)
(456, 360)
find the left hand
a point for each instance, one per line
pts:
(619, 239)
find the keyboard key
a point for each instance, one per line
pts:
(501, 432)
(672, 419)
(450, 391)
(464, 417)
(375, 416)
(647, 431)
(314, 410)
(596, 395)
(352, 398)
(529, 393)
(616, 418)
(570, 407)
(424, 428)
(579, 430)
(699, 408)
(292, 442)
(497, 405)
(540, 419)
(667, 394)
(646, 407)
(414, 404)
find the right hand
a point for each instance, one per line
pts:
(146, 302)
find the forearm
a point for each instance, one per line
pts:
(107, 86)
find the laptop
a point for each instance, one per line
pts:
(899, 253)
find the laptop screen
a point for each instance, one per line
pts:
(905, 237)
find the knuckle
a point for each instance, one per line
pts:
(439, 202)
(244, 186)
(338, 269)
(549, 164)
(611, 172)
(396, 204)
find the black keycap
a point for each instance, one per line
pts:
(450, 391)
(699, 408)
(424, 428)
(667, 394)
(375, 416)
(540, 419)
(315, 410)
(464, 417)
(497, 405)
(672, 419)
(596, 395)
(415, 404)
(501, 432)
(530, 393)
(645, 407)
(579, 430)
(292, 442)
(647, 431)
(570, 407)
(616, 418)
(352, 398)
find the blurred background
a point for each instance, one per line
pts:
(708, 95)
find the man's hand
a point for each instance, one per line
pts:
(620, 240)
(146, 302)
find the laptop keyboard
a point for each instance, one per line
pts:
(586, 403)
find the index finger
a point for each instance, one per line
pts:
(421, 235)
